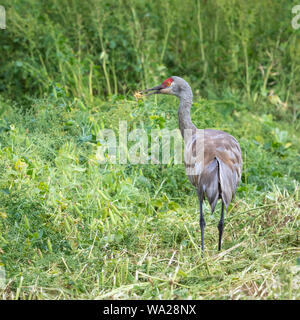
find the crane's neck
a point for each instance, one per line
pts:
(184, 111)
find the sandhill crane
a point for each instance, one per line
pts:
(212, 158)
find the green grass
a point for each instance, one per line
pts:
(71, 228)
(107, 47)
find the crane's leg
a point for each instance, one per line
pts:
(202, 226)
(221, 226)
(202, 223)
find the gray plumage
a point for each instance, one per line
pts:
(213, 158)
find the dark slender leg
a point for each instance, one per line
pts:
(202, 226)
(202, 221)
(221, 226)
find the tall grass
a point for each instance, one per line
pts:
(71, 228)
(104, 47)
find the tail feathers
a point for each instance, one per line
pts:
(228, 183)
(209, 183)
(217, 181)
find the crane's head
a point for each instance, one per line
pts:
(174, 86)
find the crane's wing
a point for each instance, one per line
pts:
(213, 162)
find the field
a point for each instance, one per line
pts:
(72, 228)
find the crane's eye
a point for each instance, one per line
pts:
(167, 83)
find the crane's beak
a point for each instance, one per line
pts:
(154, 90)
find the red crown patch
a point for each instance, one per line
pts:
(167, 82)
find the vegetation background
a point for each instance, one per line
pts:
(71, 228)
